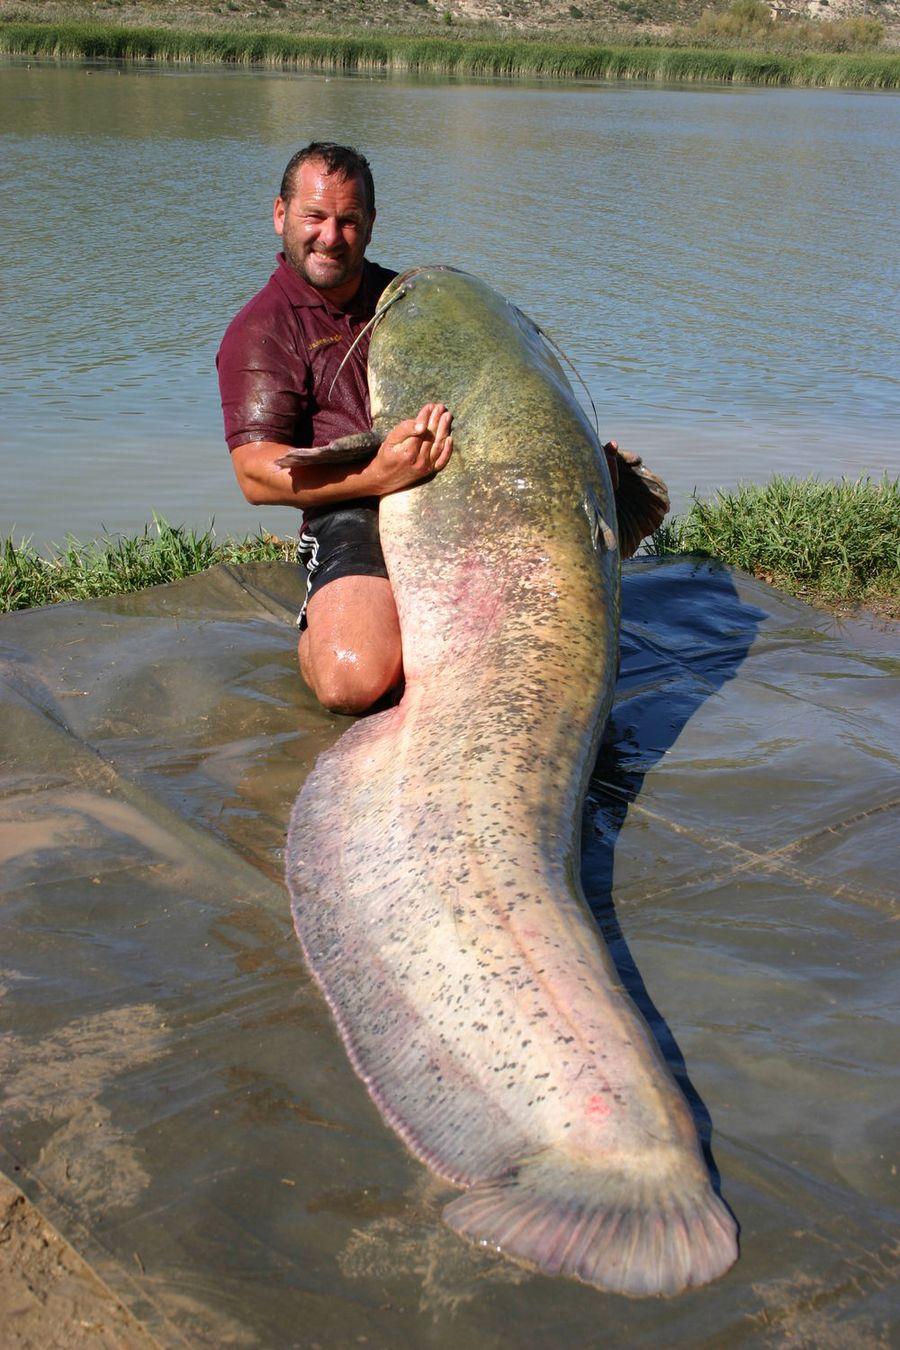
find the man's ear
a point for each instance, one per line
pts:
(369, 231)
(278, 211)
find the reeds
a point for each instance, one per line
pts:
(113, 564)
(826, 541)
(454, 56)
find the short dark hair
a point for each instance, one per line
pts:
(339, 159)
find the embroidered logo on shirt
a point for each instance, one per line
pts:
(325, 341)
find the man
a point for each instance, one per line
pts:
(276, 366)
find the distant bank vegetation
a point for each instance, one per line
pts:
(834, 543)
(496, 57)
(752, 23)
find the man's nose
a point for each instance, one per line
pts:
(329, 233)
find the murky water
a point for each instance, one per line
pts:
(717, 263)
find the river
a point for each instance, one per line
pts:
(716, 263)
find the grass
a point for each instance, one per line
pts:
(453, 56)
(833, 543)
(836, 544)
(119, 563)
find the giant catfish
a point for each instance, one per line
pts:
(433, 853)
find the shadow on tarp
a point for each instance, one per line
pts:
(660, 688)
(176, 1101)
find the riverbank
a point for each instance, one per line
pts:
(438, 55)
(833, 544)
(111, 565)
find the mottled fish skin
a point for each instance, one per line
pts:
(433, 854)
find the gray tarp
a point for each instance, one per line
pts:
(177, 1102)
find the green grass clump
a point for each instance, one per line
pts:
(453, 56)
(111, 565)
(838, 543)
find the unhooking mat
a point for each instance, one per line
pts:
(176, 1100)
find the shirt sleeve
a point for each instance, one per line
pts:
(263, 380)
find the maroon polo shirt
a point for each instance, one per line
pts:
(280, 354)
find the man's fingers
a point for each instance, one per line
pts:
(442, 426)
(438, 411)
(627, 457)
(406, 436)
(441, 432)
(424, 418)
(420, 444)
(445, 454)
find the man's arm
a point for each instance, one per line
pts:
(413, 450)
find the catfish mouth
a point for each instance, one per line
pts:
(402, 283)
(414, 272)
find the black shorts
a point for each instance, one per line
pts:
(342, 542)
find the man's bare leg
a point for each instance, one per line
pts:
(350, 652)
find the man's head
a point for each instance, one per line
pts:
(324, 214)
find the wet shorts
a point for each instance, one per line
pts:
(342, 542)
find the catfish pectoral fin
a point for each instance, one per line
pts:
(344, 450)
(642, 504)
(619, 1230)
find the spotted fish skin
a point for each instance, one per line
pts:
(433, 855)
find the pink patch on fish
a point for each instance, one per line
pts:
(597, 1108)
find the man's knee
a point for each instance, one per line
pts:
(344, 691)
(349, 683)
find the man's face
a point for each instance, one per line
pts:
(325, 228)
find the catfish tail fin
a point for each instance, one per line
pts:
(628, 1234)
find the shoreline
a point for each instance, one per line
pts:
(499, 58)
(831, 544)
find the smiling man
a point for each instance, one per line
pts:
(277, 363)
(283, 387)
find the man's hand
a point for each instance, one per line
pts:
(615, 457)
(414, 449)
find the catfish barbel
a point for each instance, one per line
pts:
(433, 854)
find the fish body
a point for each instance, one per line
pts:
(433, 853)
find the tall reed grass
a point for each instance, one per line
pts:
(454, 56)
(827, 541)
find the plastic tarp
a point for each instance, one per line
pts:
(177, 1102)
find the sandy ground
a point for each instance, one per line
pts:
(49, 1298)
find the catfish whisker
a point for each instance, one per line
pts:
(371, 324)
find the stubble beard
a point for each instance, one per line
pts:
(334, 277)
